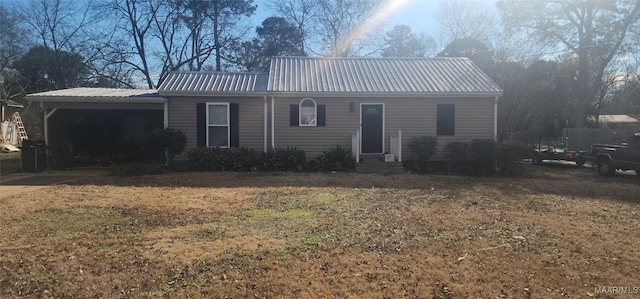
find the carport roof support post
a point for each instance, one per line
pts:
(47, 115)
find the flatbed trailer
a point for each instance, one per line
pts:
(558, 154)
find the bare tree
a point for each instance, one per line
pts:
(136, 21)
(301, 13)
(227, 34)
(12, 45)
(595, 31)
(182, 29)
(343, 23)
(59, 26)
(335, 27)
(154, 37)
(459, 19)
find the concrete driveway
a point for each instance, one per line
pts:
(17, 183)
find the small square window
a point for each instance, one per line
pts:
(218, 136)
(218, 115)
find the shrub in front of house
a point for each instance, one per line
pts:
(510, 159)
(221, 159)
(335, 159)
(423, 147)
(486, 157)
(162, 145)
(485, 153)
(285, 159)
(206, 159)
(458, 155)
(246, 159)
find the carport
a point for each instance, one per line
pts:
(100, 122)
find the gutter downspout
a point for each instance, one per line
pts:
(266, 123)
(273, 142)
(166, 113)
(495, 119)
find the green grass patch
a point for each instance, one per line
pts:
(330, 199)
(311, 242)
(298, 226)
(283, 219)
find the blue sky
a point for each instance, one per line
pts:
(417, 14)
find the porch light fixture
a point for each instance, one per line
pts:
(352, 107)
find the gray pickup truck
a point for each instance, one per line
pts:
(624, 156)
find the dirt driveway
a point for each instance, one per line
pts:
(22, 182)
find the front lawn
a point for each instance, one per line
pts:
(562, 232)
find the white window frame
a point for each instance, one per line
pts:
(315, 112)
(228, 125)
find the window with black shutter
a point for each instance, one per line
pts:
(307, 113)
(217, 125)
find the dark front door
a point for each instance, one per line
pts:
(372, 133)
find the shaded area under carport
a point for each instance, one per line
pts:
(93, 136)
(99, 126)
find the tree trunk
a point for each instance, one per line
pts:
(216, 37)
(583, 95)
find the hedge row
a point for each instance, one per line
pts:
(483, 157)
(278, 159)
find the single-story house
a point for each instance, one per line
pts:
(369, 105)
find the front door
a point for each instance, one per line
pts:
(372, 116)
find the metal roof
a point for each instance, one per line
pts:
(617, 119)
(308, 75)
(398, 76)
(102, 95)
(11, 103)
(206, 83)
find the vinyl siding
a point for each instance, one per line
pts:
(414, 116)
(340, 123)
(182, 116)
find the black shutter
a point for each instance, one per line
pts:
(201, 124)
(294, 115)
(322, 117)
(446, 119)
(234, 122)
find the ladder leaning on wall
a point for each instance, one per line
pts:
(22, 133)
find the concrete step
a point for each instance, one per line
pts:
(366, 158)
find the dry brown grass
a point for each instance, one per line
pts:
(559, 233)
